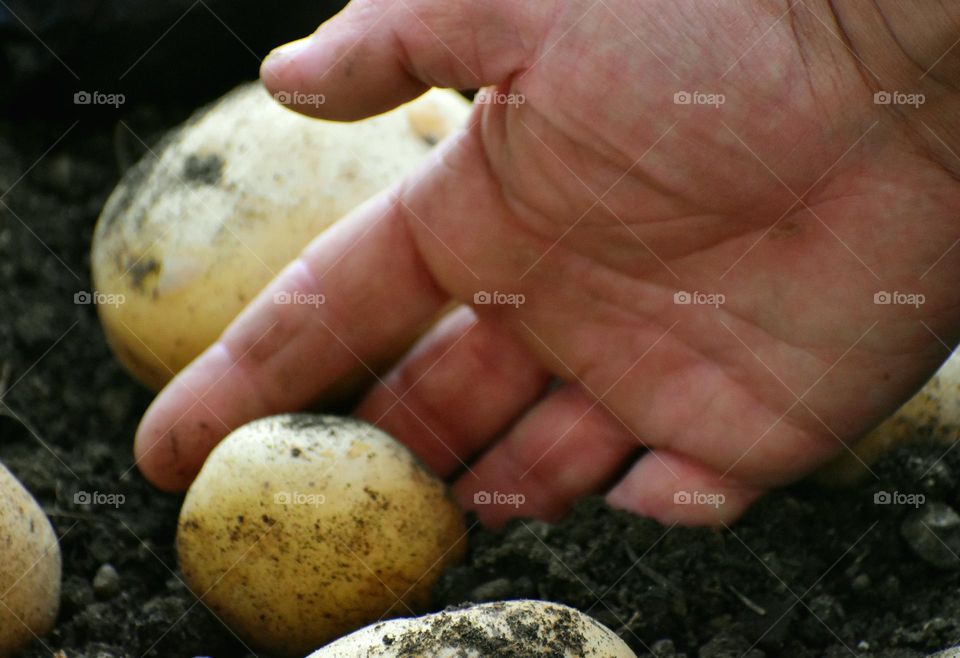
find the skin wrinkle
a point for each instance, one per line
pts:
(546, 228)
(508, 197)
(625, 159)
(906, 50)
(730, 369)
(241, 365)
(477, 48)
(618, 308)
(821, 104)
(728, 372)
(919, 134)
(533, 132)
(417, 75)
(644, 277)
(896, 39)
(637, 173)
(864, 73)
(406, 61)
(792, 10)
(467, 79)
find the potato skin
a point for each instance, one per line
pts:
(301, 528)
(191, 234)
(30, 568)
(523, 628)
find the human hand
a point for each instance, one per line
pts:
(591, 189)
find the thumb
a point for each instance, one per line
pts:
(377, 54)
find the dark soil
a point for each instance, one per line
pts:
(806, 573)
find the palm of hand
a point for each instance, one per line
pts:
(774, 236)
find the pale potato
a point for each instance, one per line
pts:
(516, 628)
(301, 528)
(30, 568)
(196, 229)
(933, 413)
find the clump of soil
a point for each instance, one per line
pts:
(806, 573)
(554, 632)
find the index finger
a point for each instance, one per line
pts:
(357, 292)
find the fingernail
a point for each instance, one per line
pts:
(285, 52)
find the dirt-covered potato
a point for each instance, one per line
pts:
(933, 413)
(301, 528)
(30, 568)
(203, 222)
(510, 628)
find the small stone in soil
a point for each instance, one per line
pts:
(107, 581)
(933, 533)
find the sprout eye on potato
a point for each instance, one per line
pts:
(300, 528)
(193, 233)
(29, 568)
(508, 629)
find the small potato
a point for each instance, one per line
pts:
(933, 413)
(300, 528)
(195, 231)
(518, 629)
(30, 568)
